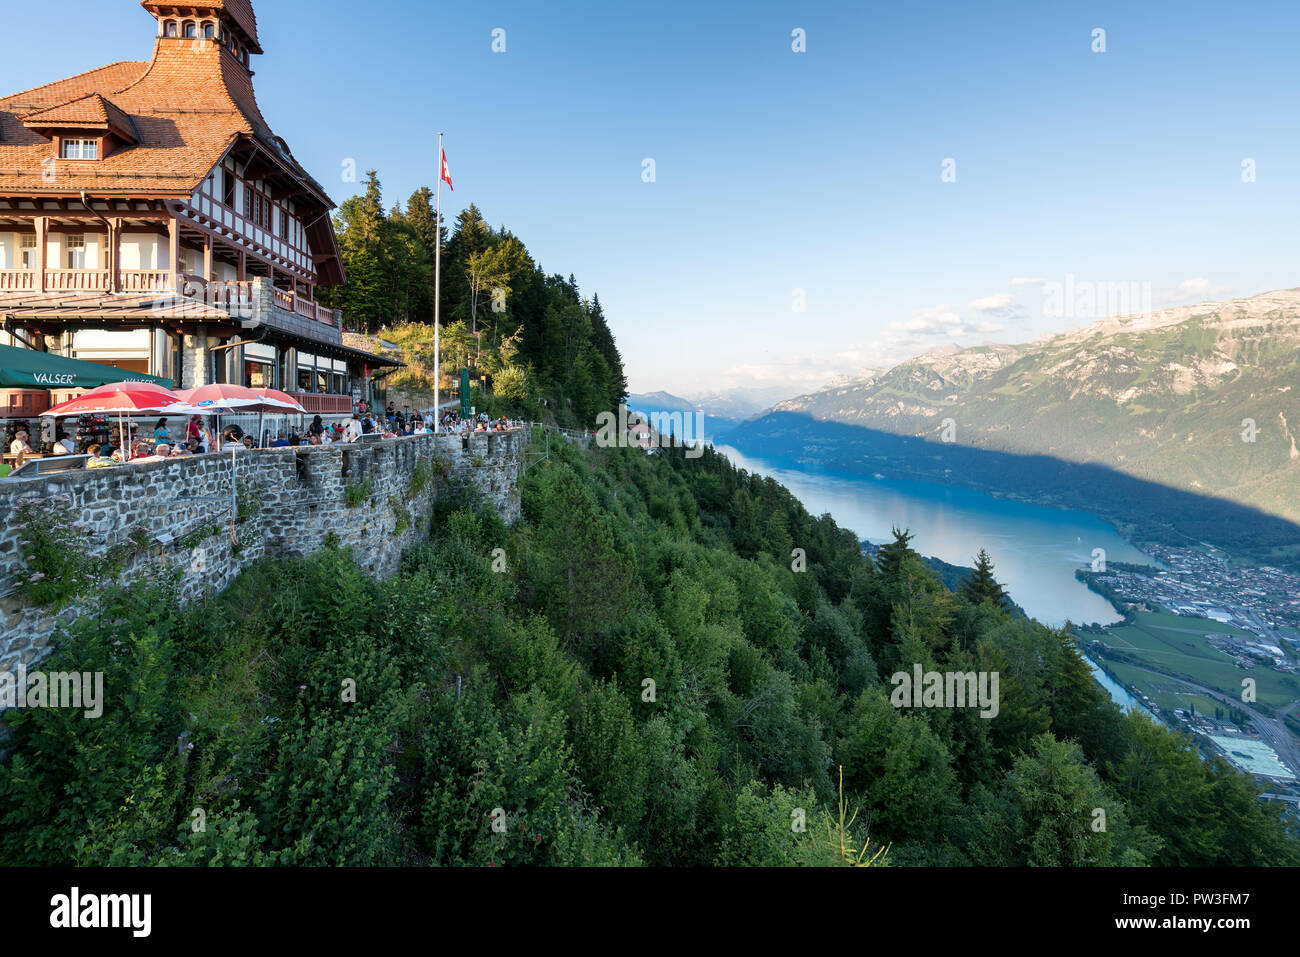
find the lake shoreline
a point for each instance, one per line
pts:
(952, 522)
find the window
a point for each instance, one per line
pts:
(80, 150)
(169, 28)
(209, 31)
(228, 188)
(191, 31)
(306, 372)
(27, 246)
(76, 252)
(248, 202)
(258, 375)
(284, 225)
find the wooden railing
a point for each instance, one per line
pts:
(79, 280)
(217, 293)
(144, 280)
(87, 280)
(317, 404)
(17, 279)
(302, 306)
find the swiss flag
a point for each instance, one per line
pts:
(445, 174)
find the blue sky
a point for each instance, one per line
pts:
(778, 171)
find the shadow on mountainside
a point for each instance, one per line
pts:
(1146, 511)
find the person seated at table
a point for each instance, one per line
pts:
(316, 427)
(117, 457)
(98, 460)
(281, 442)
(194, 429)
(62, 444)
(160, 452)
(179, 451)
(195, 447)
(248, 442)
(230, 439)
(20, 448)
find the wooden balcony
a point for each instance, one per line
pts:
(317, 404)
(302, 306)
(76, 280)
(144, 280)
(17, 279)
(85, 280)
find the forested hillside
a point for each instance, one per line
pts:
(532, 342)
(639, 672)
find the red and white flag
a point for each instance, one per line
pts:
(445, 174)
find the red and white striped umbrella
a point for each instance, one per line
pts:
(222, 397)
(119, 401)
(288, 403)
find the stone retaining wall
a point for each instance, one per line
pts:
(292, 500)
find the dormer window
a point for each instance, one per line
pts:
(169, 29)
(79, 150)
(191, 30)
(209, 31)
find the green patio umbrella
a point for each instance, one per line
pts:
(464, 394)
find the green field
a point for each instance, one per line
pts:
(1168, 693)
(1172, 643)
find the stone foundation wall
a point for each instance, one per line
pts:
(292, 500)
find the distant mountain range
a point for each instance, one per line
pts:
(1204, 399)
(722, 411)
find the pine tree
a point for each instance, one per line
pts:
(890, 557)
(981, 586)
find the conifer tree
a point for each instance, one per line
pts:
(981, 586)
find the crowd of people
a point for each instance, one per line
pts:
(199, 436)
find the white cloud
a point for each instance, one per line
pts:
(933, 320)
(1196, 289)
(995, 303)
(801, 373)
(1026, 281)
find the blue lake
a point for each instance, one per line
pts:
(1035, 549)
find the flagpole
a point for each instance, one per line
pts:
(437, 297)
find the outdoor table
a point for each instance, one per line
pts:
(11, 458)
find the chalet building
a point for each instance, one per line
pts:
(150, 219)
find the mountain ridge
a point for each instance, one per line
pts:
(1201, 398)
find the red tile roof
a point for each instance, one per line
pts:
(91, 112)
(105, 79)
(187, 106)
